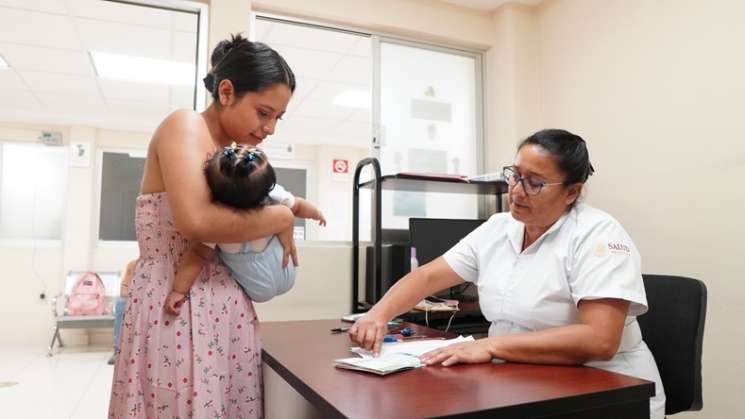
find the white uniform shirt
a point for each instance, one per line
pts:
(585, 254)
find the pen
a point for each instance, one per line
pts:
(339, 329)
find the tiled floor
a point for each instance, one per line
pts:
(74, 383)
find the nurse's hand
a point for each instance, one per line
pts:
(460, 353)
(368, 331)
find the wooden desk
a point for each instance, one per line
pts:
(300, 355)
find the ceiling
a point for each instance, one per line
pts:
(489, 5)
(51, 78)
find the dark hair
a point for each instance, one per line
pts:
(250, 66)
(240, 176)
(569, 150)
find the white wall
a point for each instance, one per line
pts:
(512, 110)
(656, 88)
(322, 286)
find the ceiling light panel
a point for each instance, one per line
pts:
(143, 70)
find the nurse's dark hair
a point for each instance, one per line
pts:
(569, 150)
(250, 66)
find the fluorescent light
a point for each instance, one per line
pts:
(353, 99)
(146, 70)
(3, 63)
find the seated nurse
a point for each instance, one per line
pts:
(559, 281)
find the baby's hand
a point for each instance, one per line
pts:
(174, 302)
(320, 218)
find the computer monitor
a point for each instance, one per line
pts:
(432, 237)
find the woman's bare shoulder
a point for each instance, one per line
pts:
(183, 123)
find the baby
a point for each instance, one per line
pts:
(242, 178)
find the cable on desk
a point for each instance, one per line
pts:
(449, 320)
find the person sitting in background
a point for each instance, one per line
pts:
(121, 304)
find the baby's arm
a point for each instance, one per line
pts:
(187, 271)
(304, 209)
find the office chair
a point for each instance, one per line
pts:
(673, 328)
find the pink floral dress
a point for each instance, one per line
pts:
(204, 363)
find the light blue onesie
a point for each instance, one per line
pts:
(257, 265)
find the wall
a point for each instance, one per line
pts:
(424, 20)
(512, 110)
(656, 88)
(29, 268)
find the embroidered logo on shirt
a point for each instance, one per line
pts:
(619, 248)
(605, 249)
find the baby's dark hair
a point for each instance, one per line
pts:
(240, 176)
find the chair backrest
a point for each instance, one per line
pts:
(673, 328)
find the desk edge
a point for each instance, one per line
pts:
(303, 389)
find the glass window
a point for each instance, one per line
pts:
(328, 121)
(430, 119)
(32, 191)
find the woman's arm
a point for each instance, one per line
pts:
(437, 275)
(182, 145)
(596, 337)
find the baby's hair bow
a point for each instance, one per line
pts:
(230, 151)
(252, 155)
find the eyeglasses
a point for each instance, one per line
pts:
(530, 186)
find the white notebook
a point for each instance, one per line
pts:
(381, 365)
(395, 356)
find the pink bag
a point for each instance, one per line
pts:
(87, 296)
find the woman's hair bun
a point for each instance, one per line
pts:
(224, 47)
(209, 82)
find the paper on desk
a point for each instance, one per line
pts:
(415, 347)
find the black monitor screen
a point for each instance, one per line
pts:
(434, 236)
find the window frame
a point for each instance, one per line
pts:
(202, 59)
